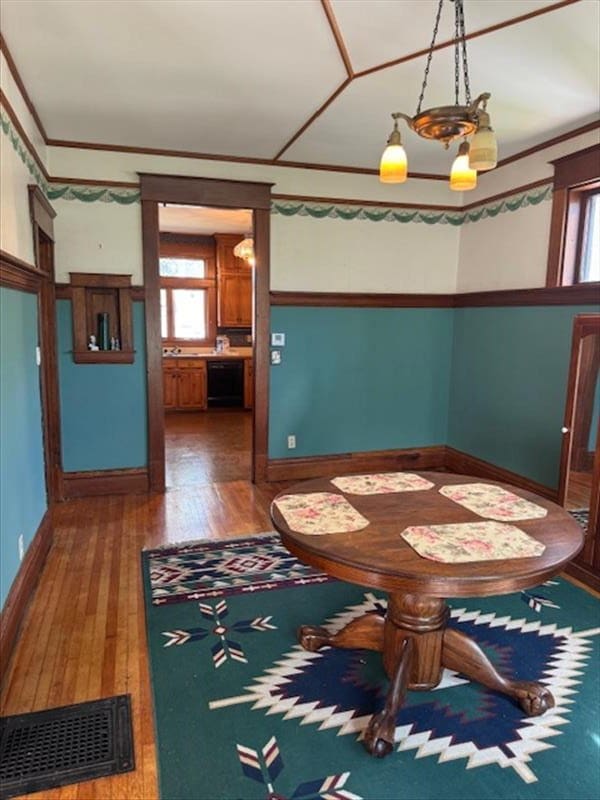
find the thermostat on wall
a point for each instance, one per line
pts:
(277, 339)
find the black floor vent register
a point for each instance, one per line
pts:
(46, 749)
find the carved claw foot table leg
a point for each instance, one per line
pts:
(379, 736)
(364, 633)
(462, 654)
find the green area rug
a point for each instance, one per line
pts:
(242, 712)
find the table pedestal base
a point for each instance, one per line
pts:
(416, 645)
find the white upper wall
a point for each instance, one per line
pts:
(510, 251)
(15, 225)
(307, 254)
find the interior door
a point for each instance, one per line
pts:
(579, 488)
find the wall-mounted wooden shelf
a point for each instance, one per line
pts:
(93, 294)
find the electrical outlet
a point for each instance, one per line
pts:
(291, 442)
(21, 545)
(275, 357)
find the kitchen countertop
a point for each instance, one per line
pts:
(210, 355)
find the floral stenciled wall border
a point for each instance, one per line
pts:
(303, 208)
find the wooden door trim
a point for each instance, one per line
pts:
(583, 325)
(206, 192)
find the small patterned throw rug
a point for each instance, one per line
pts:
(242, 711)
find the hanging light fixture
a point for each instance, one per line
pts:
(245, 250)
(447, 123)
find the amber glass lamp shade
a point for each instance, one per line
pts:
(393, 167)
(462, 177)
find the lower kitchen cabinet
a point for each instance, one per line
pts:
(184, 385)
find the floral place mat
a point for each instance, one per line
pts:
(471, 541)
(382, 483)
(492, 501)
(320, 512)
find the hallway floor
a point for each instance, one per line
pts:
(207, 447)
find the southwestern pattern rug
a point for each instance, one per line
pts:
(243, 712)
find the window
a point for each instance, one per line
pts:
(182, 268)
(187, 293)
(589, 263)
(574, 248)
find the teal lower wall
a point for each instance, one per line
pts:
(508, 388)
(22, 479)
(102, 406)
(357, 379)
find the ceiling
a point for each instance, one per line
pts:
(242, 78)
(202, 220)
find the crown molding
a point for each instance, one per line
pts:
(12, 67)
(11, 114)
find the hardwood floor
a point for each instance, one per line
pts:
(84, 633)
(208, 447)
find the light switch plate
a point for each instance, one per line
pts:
(275, 357)
(278, 339)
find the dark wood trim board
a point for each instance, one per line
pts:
(22, 589)
(458, 461)
(283, 469)
(582, 294)
(100, 482)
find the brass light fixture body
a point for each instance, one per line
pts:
(446, 123)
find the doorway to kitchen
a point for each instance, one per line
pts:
(216, 426)
(206, 258)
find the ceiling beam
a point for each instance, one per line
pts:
(474, 35)
(337, 35)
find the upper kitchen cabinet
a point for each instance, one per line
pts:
(234, 284)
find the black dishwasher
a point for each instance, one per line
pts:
(225, 383)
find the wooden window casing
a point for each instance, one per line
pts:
(193, 247)
(576, 179)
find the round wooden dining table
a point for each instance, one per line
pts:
(413, 636)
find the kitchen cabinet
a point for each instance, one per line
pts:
(235, 300)
(184, 384)
(234, 284)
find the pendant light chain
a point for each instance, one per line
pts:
(461, 14)
(431, 46)
(456, 56)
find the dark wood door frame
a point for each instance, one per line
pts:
(583, 325)
(157, 189)
(42, 220)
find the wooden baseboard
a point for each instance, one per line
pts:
(21, 591)
(284, 469)
(584, 574)
(457, 461)
(108, 481)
